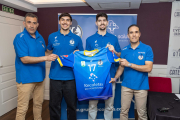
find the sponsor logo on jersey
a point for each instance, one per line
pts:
(21, 35)
(93, 77)
(83, 64)
(100, 62)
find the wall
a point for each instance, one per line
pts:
(153, 19)
(16, 11)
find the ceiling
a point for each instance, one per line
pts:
(32, 5)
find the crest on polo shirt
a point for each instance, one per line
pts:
(140, 57)
(72, 42)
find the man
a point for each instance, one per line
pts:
(136, 61)
(62, 81)
(103, 39)
(30, 49)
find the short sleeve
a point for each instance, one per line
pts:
(112, 56)
(149, 54)
(80, 46)
(21, 47)
(49, 46)
(66, 60)
(117, 47)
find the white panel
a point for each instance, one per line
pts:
(8, 84)
(150, 1)
(8, 69)
(8, 76)
(8, 33)
(115, 5)
(9, 93)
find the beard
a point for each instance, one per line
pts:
(65, 29)
(134, 42)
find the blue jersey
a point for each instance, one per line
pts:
(91, 70)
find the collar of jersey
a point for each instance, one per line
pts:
(36, 33)
(129, 46)
(107, 34)
(89, 52)
(69, 34)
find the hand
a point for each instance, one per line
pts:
(113, 80)
(75, 51)
(51, 57)
(124, 62)
(111, 48)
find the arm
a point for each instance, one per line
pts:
(142, 68)
(118, 74)
(33, 60)
(111, 48)
(48, 52)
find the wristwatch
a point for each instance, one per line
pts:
(129, 64)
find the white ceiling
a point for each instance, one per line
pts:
(32, 5)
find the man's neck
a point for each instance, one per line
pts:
(64, 32)
(135, 45)
(33, 35)
(102, 32)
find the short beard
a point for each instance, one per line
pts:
(134, 42)
(102, 29)
(65, 29)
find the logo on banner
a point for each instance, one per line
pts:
(177, 14)
(76, 29)
(174, 71)
(176, 31)
(112, 26)
(176, 53)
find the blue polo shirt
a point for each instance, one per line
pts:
(26, 45)
(97, 41)
(134, 79)
(62, 45)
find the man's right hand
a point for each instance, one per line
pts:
(51, 57)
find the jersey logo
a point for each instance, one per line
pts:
(95, 41)
(83, 64)
(43, 45)
(100, 62)
(140, 57)
(93, 77)
(71, 42)
(55, 39)
(21, 35)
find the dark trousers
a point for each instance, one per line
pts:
(58, 90)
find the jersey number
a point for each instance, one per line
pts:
(92, 65)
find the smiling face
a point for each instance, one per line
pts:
(31, 24)
(134, 34)
(101, 23)
(65, 23)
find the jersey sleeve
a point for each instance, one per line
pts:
(149, 55)
(112, 56)
(21, 47)
(80, 46)
(66, 60)
(117, 47)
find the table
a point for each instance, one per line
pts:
(158, 100)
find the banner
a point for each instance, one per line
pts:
(84, 26)
(173, 67)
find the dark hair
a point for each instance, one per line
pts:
(65, 14)
(101, 15)
(30, 15)
(132, 26)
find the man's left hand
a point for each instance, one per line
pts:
(111, 48)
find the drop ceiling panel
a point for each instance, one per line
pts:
(114, 4)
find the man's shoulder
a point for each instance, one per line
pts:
(53, 34)
(146, 46)
(91, 37)
(76, 37)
